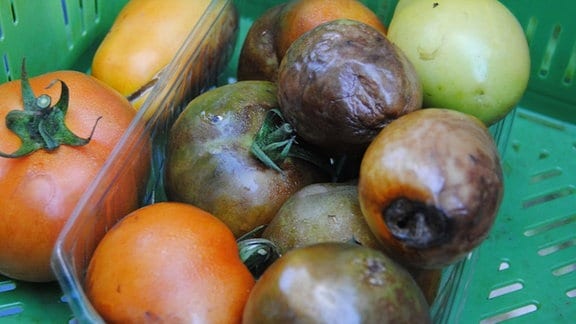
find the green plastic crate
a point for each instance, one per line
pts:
(51, 35)
(525, 272)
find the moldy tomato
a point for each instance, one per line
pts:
(50, 154)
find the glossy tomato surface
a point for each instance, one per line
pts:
(471, 55)
(38, 191)
(144, 38)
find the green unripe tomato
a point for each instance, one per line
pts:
(471, 55)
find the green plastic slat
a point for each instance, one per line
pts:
(22, 302)
(535, 233)
(55, 34)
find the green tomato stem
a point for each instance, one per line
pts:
(276, 141)
(40, 126)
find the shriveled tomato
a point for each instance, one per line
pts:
(146, 36)
(56, 139)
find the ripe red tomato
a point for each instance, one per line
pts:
(39, 190)
(168, 262)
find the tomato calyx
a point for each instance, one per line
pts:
(276, 141)
(40, 126)
(257, 253)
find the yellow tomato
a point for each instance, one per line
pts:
(471, 55)
(143, 39)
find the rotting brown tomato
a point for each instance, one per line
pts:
(258, 59)
(430, 186)
(342, 82)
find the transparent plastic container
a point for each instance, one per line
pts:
(64, 35)
(524, 272)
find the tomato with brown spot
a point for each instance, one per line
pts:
(210, 159)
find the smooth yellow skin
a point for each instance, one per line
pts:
(471, 55)
(143, 39)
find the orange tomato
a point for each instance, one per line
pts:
(168, 262)
(143, 39)
(299, 16)
(38, 191)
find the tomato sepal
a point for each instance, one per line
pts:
(40, 126)
(276, 141)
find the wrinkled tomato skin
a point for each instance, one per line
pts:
(39, 191)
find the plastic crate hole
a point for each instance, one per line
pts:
(67, 25)
(542, 121)
(504, 265)
(65, 299)
(550, 51)
(531, 28)
(544, 154)
(7, 285)
(82, 22)
(521, 311)
(550, 226)
(11, 309)
(545, 175)
(564, 270)
(550, 196)
(557, 247)
(570, 68)
(64, 11)
(6, 66)
(13, 12)
(571, 293)
(515, 145)
(506, 290)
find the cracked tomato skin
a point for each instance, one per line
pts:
(39, 191)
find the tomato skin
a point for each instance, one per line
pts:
(39, 191)
(209, 162)
(465, 60)
(132, 34)
(168, 262)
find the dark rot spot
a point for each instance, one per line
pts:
(416, 224)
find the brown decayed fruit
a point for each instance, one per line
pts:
(258, 59)
(430, 186)
(275, 30)
(342, 82)
(301, 16)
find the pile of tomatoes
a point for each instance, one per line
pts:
(265, 221)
